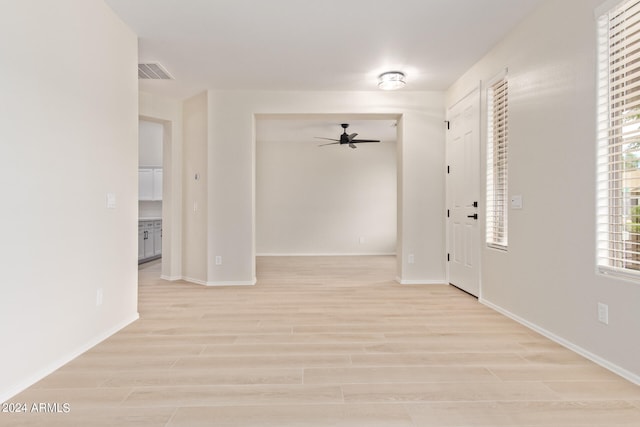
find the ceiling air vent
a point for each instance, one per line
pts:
(153, 71)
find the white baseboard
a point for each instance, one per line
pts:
(194, 281)
(234, 283)
(420, 282)
(221, 283)
(57, 364)
(170, 278)
(328, 254)
(628, 375)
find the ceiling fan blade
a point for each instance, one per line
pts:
(329, 143)
(353, 135)
(351, 145)
(330, 139)
(365, 140)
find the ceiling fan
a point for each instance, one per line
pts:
(346, 138)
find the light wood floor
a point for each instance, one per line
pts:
(327, 342)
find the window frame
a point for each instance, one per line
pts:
(616, 252)
(497, 195)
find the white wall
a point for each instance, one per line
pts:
(314, 200)
(194, 227)
(168, 112)
(231, 180)
(547, 277)
(68, 132)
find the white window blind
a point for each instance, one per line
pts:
(497, 141)
(618, 176)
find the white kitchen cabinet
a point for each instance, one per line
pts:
(157, 184)
(150, 184)
(145, 184)
(140, 240)
(157, 238)
(149, 240)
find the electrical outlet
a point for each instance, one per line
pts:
(99, 297)
(603, 313)
(411, 259)
(218, 260)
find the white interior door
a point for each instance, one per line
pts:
(463, 193)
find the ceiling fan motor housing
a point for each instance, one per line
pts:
(344, 138)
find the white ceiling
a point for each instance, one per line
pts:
(314, 44)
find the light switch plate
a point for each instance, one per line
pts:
(111, 201)
(516, 202)
(603, 313)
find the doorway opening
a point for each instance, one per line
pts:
(325, 201)
(150, 178)
(158, 206)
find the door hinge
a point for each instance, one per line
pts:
(448, 257)
(448, 213)
(448, 124)
(448, 169)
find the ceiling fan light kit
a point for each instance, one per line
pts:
(391, 80)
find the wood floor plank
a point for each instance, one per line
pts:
(553, 372)
(294, 415)
(397, 375)
(447, 392)
(458, 414)
(438, 359)
(102, 416)
(285, 349)
(78, 396)
(180, 377)
(272, 394)
(263, 361)
(593, 390)
(327, 341)
(564, 413)
(327, 338)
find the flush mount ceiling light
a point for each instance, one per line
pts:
(391, 80)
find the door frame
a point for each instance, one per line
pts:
(171, 260)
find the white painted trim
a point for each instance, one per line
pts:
(234, 283)
(57, 364)
(606, 7)
(170, 278)
(194, 281)
(420, 282)
(630, 376)
(221, 283)
(328, 254)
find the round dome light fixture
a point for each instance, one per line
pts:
(391, 80)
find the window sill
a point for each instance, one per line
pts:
(497, 247)
(619, 273)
